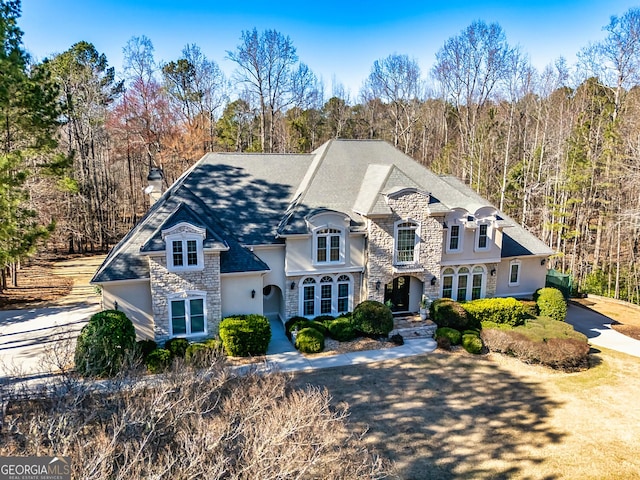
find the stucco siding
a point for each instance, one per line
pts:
(274, 257)
(134, 299)
(236, 294)
(532, 277)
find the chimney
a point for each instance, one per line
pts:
(154, 187)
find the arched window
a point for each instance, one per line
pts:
(326, 291)
(476, 283)
(406, 242)
(463, 283)
(447, 282)
(308, 296)
(343, 293)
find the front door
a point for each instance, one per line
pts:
(397, 292)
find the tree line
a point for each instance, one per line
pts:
(557, 149)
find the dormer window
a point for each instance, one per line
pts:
(483, 237)
(454, 241)
(406, 242)
(329, 245)
(184, 247)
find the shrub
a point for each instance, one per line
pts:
(145, 347)
(542, 329)
(448, 313)
(397, 339)
(372, 318)
(158, 360)
(567, 354)
(305, 323)
(245, 335)
(498, 310)
(324, 319)
(551, 303)
(454, 336)
(104, 344)
(444, 343)
(289, 324)
(310, 340)
(530, 308)
(472, 343)
(341, 329)
(177, 347)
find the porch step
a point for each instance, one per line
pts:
(412, 327)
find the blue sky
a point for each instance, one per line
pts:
(337, 39)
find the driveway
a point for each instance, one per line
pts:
(598, 330)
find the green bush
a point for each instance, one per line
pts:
(305, 323)
(145, 347)
(453, 335)
(542, 329)
(551, 303)
(448, 313)
(104, 344)
(289, 325)
(372, 319)
(310, 340)
(177, 347)
(530, 308)
(472, 343)
(341, 329)
(324, 319)
(245, 335)
(158, 360)
(396, 339)
(498, 310)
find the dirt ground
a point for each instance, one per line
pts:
(453, 415)
(48, 279)
(626, 316)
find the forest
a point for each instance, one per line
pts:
(558, 150)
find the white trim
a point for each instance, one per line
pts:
(453, 263)
(192, 230)
(341, 244)
(469, 274)
(416, 241)
(513, 263)
(245, 274)
(317, 293)
(318, 271)
(490, 229)
(120, 282)
(460, 249)
(267, 246)
(186, 296)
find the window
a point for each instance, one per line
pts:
(476, 283)
(328, 245)
(188, 316)
(463, 280)
(447, 283)
(184, 247)
(455, 244)
(463, 284)
(343, 293)
(482, 237)
(514, 273)
(325, 295)
(406, 242)
(308, 297)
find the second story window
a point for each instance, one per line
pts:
(406, 242)
(483, 237)
(180, 247)
(455, 242)
(328, 245)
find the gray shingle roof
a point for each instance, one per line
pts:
(251, 199)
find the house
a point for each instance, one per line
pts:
(312, 234)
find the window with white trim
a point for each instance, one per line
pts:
(325, 295)
(329, 245)
(184, 246)
(463, 283)
(406, 242)
(187, 316)
(455, 239)
(514, 273)
(483, 237)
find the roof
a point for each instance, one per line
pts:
(244, 199)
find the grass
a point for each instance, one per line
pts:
(453, 415)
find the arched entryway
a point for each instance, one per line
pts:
(403, 294)
(272, 301)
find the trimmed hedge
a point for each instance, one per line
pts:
(551, 303)
(372, 319)
(341, 329)
(145, 347)
(245, 335)
(497, 310)
(289, 324)
(310, 340)
(104, 344)
(446, 312)
(158, 361)
(177, 347)
(472, 343)
(454, 336)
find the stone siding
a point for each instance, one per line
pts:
(381, 244)
(165, 283)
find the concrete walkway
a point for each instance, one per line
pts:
(282, 356)
(598, 330)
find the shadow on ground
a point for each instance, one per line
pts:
(445, 415)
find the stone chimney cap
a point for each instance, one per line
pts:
(155, 174)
